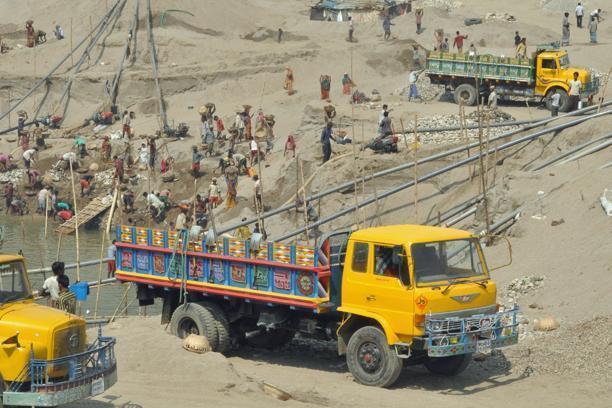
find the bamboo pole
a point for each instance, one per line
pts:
(404, 134)
(123, 298)
(76, 223)
(71, 47)
(46, 214)
(482, 176)
(603, 91)
(463, 124)
(416, 172)
(304, 201)
(356, 215)
(260, 221)
(112, 211)
(99, 275)
(59, 246)
(297, 187)
(8, 107)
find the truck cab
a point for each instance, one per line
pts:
(44, 356)
(416, 293)
(554, 73)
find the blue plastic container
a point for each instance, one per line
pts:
(80, 290)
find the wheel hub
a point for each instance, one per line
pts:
(369, 357)
(187, 327)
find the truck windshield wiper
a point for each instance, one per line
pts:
(453, 282)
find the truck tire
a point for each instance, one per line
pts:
(193, 318)
(223, 330)
(272, 339)
(466, 93)
(370, 359)
(452, 365)
(564, 101)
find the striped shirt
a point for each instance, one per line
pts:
(67, 302)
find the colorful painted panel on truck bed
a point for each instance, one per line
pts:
(280, 273)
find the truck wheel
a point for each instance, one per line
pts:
(371, 360)
(193, 318)
(223, 330)
(466, 93)
(272, 339)
(564, 101)
(452, 365)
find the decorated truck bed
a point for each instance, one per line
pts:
(276, 273)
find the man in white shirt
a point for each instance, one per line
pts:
(597, 14)
(239, 124)
(579, 14)
(254, 152)
(492, 101)
(181, 220)
(555, 102)
(154, 203)
(42, 200)
(50, 286)
(28, 157)
(574, 92)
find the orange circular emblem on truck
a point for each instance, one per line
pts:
(421, 302)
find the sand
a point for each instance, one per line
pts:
(227, 54)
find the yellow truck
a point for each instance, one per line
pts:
(389, 296)
(44, 357)
(547, 72)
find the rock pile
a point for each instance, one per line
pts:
(105, 177)
(499, 17)
(447, 5)
(12, 176)
(523, 286)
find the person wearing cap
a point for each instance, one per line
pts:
(492, 100)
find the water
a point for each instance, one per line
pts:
(27, 234)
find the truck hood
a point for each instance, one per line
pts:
(29, 316)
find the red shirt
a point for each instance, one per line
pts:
(65, 215)
(459, 41)
(220, 126)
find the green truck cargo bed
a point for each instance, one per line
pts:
(482, 66)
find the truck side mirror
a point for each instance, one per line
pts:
(509, 247)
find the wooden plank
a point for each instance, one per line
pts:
(91, 210)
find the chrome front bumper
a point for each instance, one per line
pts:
(449, 336)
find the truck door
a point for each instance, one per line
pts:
(376, 279)
(389, 292)
(546, 73)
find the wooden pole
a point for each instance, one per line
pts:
(59, 246)
(112, 211)
(99, 275)
(416, 172)
(297, 187)
(482, 176)
(46, 213)
(404, 134)
(9, 106)
(603, 91)
(356, 215)
(71, 55)
(260, 175)
(304, 201)
(90, 39)
(76, 223)
(463, 124)
(125, 293)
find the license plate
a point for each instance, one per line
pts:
(97, 386)
(483, 346)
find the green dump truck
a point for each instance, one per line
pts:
(547, 72)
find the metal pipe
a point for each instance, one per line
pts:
(75, 70)
(570, 152)
(46, 77)
(117, 77)
(586, 152)
(406, 166)
(162, 110)
(437, 173)
(70, 266)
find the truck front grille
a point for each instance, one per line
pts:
(67, 341)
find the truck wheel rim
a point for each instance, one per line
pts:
(369, 357)
(187, 327)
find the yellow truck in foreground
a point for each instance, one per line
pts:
(389, 296)
(44, 357)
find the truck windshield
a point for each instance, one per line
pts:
(12, 282)
(564, 61)
(446, 261)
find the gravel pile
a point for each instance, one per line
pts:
(105, 177)
(559, 5)
(427, 90)
(523, 286)
(12, 176)
(447, 5)
(562, 351)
